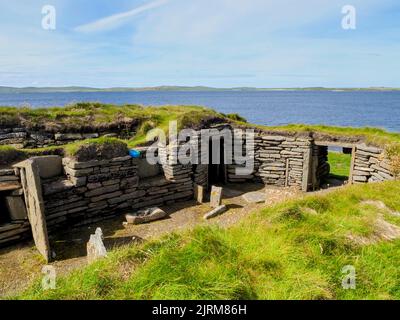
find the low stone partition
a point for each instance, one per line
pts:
(97, 189)
(101, 180)
(370, 164)
(283, 160)
(91, 191)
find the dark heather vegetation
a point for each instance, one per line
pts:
(295, 250)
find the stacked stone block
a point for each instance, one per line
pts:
(14, 225)
(282, 160)
(370, 165)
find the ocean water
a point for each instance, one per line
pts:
(357, 109)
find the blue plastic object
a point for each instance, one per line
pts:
(134, 153)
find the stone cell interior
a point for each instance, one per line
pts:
(72, 193)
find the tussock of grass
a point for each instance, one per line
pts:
(98, 148)
(295, 250)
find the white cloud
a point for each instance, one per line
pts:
(117, 20)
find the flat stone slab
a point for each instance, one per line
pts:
(254, 197)
(146, 216)
(215, 212)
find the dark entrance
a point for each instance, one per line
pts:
(4, 213)
(216, 171)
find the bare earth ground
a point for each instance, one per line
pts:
(21, 264)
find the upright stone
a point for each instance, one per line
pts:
(199, 193)
(95, 247)
(31, 183)
(216, 197)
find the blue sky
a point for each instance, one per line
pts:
(221, 43)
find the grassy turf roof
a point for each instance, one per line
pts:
(92, 117)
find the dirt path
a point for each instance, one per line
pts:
(21, 264)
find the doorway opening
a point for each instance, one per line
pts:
(216, 167)
(333, 169)
(5, 216)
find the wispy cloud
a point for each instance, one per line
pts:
(117, 20)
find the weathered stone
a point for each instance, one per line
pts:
(274, 138)
(16, 208)
(78, 172)
(215, 197)
(35, 207)
(94, 185)
(215, 212)
(95, 247)
(103, 190)
(57, 186)
(90, 135)
(254, 197)
(146, 216)
(73, 164)
(360, 178)
(78, 181)
(6, 172)
(199, 193)
(368, 149)
(68, 136)
(106, 196)
(8, 178)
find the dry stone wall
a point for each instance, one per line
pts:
(82, 192)
(14, 225)
(370, 165)
(27, 138)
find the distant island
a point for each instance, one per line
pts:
(4, 89)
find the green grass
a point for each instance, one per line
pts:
(340, 164)
(9, 154)
(295, 250)
(374, 136)
(87, 114)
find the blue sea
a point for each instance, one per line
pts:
(358, 109)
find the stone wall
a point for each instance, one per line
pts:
(283, 160)
(14, 225)
(26, 138)
(76, 193)
(97, 189)
(370, 165)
